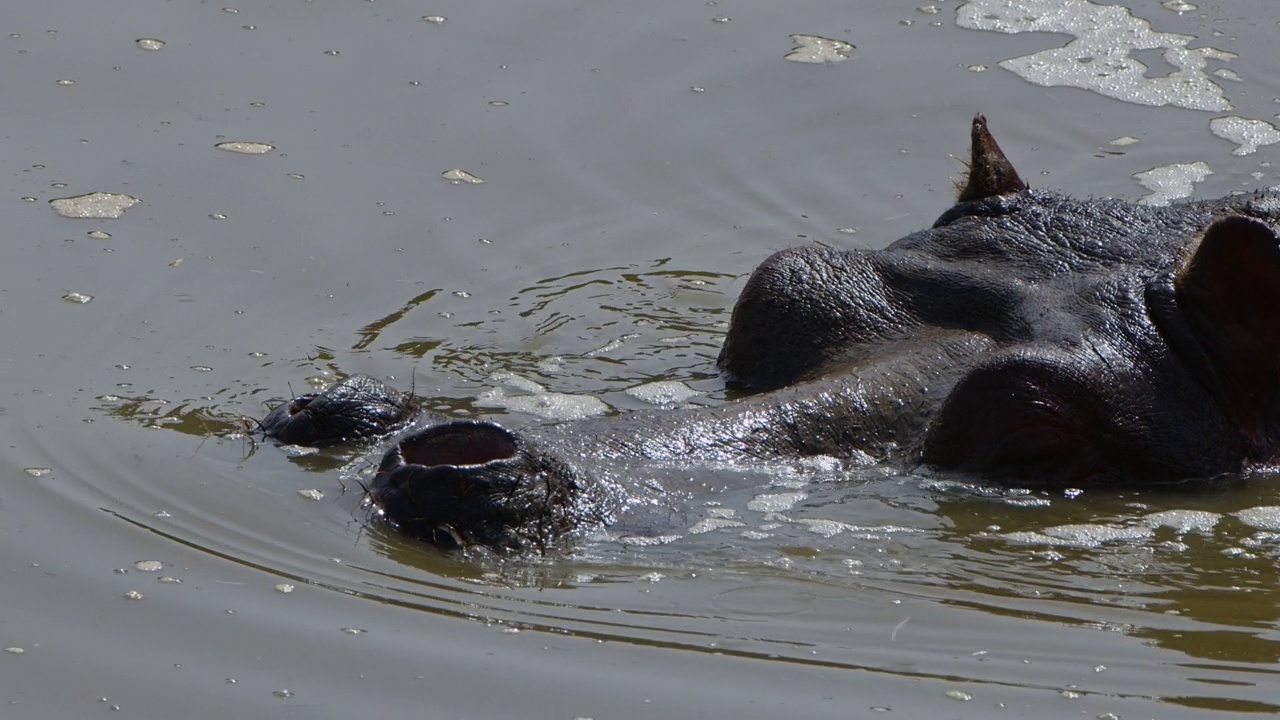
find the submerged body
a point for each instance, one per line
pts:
(1025, 338)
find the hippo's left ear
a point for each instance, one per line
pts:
(1229, 293)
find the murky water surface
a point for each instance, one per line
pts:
(637, 160)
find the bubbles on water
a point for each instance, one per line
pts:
(246, 147)
(95, 205)
(1098, 56)
(1083, 535)
(778, 502)
(818, 50)
(539, 401)
(959, 695)
(1184, 521)
(461, 177)
(662, 392)
(435, 19)
(1171, 182)
(133, 595)
(148, 565)
(150, 44)
(311, 494)
(284, 588)
(1266, 517)
(1249, 134)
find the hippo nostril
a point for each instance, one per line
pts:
(459, 444)
(297, 404)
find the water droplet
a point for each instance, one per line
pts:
(133, 595)
(37, 471)
(311, 494)
(168, 580)
(99, 235)
(462, 293)
(230, 10)
(202, 368)
(76, 297)
(959, 695)
(435, 19)
(499, 103)
(96, 205)
(818, 50)
(720, 19)
(977, 68)
(217, 216)
(28, 199)
(282, 693)
(296, 176)
(245, 147)
(14, 650)
(354, 631)
(257, 104)
(148, 565)
(285, 588)
(330, 52)
(461, 177)
(929, 9)
(150, 44)
(66, 83)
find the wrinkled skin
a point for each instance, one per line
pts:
(1026, 338)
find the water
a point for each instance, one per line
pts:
(638, 160)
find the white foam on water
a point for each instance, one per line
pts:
(662, 392)
(1266, 517)
(1171, 182)
(1249, 134)
(1098, 57)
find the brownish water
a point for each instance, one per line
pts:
(638, 159)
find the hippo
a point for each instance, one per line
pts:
(1026, 339)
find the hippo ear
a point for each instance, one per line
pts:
(990, 172)
(1229, 292)
(1230, 289)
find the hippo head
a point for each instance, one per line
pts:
(1025, 338)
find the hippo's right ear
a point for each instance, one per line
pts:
(1229, 292)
